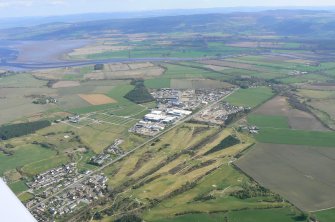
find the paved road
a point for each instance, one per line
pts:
(133, 150)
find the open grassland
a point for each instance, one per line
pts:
(268, 121)
(25, 154)
(20, 81)
(304, 174)
(250, 97)
(18, 187)
(44, 164)
(69, 73)
(257, 215)
(16, 99)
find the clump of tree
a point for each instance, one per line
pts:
(234, 116)
(296, 104)
(129, 218)
(250, 190)
(225, 143)
(140, 93)
(21, 129)
(204, 197)
(99, 67)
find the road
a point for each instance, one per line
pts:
(133, 150)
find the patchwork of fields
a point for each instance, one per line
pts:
(296, 146)
(177, 177)
(250, 97)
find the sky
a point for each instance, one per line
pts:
(21, 8)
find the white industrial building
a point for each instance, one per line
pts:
(179, 112)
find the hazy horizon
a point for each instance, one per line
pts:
(32, 8)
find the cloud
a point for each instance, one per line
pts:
(30, 3)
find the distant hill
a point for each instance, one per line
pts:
(279, 22)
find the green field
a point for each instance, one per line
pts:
(268, 121)
(266, 215)
(305, 78)
(296, 137)
(157, 83)
(18, 187)
(45, 164)
(178, 71)
(326, 215)
(26, 154)
(250, 97)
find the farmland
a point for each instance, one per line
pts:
(275, 215)
(326, 215)
(250, 97)
(304, 173)
(268, 121)
(97, 99)
(273, 162)
(297, 119)
(297, 137)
